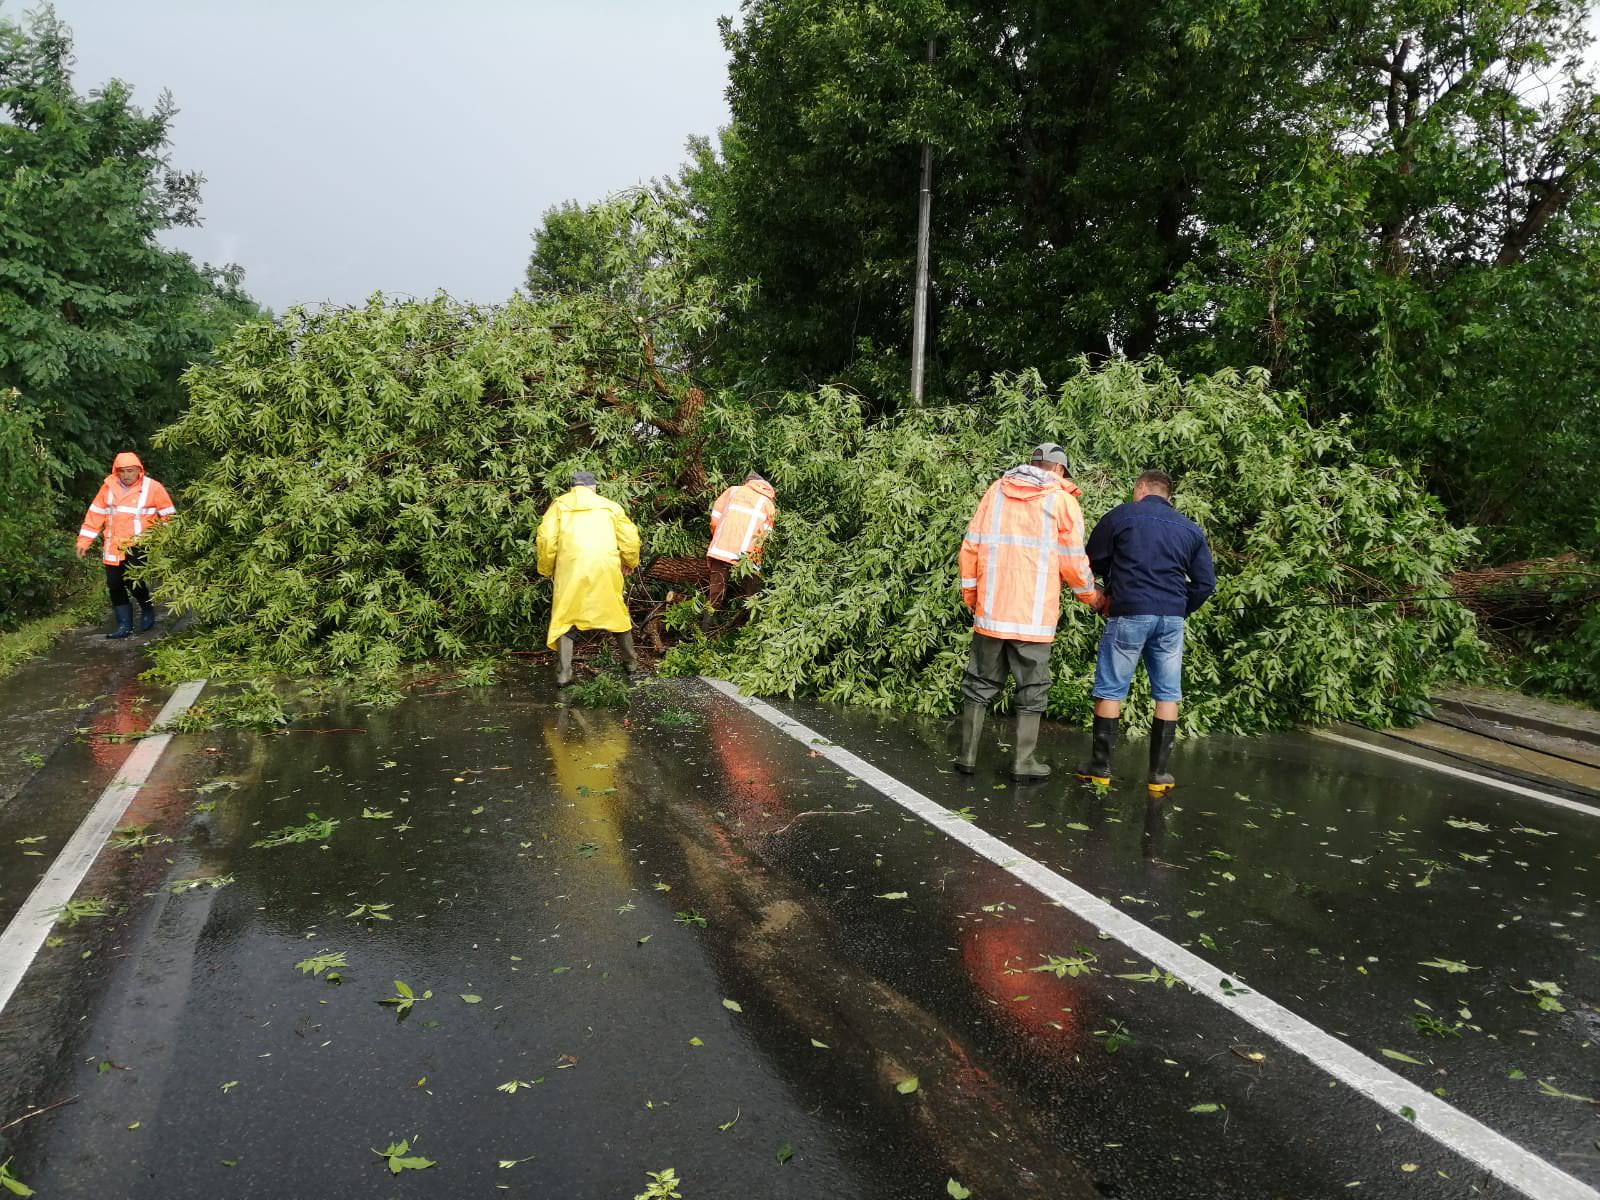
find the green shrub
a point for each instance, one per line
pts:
(36, 543)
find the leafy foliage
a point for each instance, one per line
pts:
(861, 604)
(386, 466)
(1394, 206)
(316, 829)
(97, 319)
(34, 556)
(603, 691)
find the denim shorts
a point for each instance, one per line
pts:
(1158, 640)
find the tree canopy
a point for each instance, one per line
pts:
(97, 319)
(1391, 204)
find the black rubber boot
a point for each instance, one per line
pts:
(1098, 768)
(1162, 734)
(630, 658)
(147, 617)
(971, 728)
(1025, 766)
(124, 621)
(564, 647)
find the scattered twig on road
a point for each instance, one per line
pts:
(38, 1112)
(343, 729)
(825, 812)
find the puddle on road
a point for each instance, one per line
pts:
(671, 937)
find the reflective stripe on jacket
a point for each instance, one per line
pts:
(585, 541)
(1023, 543)
(740, 521)
(124, 513)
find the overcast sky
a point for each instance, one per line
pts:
(405, 146)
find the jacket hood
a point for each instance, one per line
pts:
(1026, 482)
(762, 486)
(583, 498)
(126, 459)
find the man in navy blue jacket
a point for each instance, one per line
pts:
(1156, 568)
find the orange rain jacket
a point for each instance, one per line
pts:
(129, 510)
(1023, 543)
(740, 521)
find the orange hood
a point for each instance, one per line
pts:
(126, 459)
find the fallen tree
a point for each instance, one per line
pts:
(1314, 546)
(377, 475)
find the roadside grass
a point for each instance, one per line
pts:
(33, 638)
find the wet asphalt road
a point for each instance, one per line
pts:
(558, 864)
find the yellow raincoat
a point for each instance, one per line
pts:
(586, 541)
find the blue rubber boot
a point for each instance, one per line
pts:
(124, 621)
(147, 617)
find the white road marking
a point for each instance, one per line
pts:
(1446, 1124)
(32, 924)
(1516, 789)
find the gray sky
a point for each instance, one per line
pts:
(405, 146)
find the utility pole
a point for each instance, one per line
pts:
(919, 311)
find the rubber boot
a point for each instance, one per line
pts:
(564, 647)
(1162, 734)
(1098, 768)
(147, 617)
(1025, 765)
(124, 621)
(630, 658)
(971, 727)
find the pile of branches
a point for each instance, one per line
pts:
(862, 604)
(377, 476)
(1543, 616)
(1529, 589)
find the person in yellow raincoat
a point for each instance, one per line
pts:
(588, 544)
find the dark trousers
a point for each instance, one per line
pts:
(718, 573)
(991, 659)
(118, 587)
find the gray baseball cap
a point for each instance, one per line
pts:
(583, 479)
(1049, 452)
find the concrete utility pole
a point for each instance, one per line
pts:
(919, 311)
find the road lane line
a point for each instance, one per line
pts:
(1516, 789)
(33, 921)
(1446, 1124)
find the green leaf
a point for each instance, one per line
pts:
(11, 1183)
(784, 1153)
(907, 1085)
(955, 1191)
(732, 1005)
(1444, 964)
(1205, 1108)
(1405, 1058)
(892, 896)
(471, 999)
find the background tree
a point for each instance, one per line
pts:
(97, 318)
(1389, 203)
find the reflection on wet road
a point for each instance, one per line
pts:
(676, 937)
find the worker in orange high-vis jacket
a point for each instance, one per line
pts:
(128, 503)
(1023, 543)
(740, 521)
